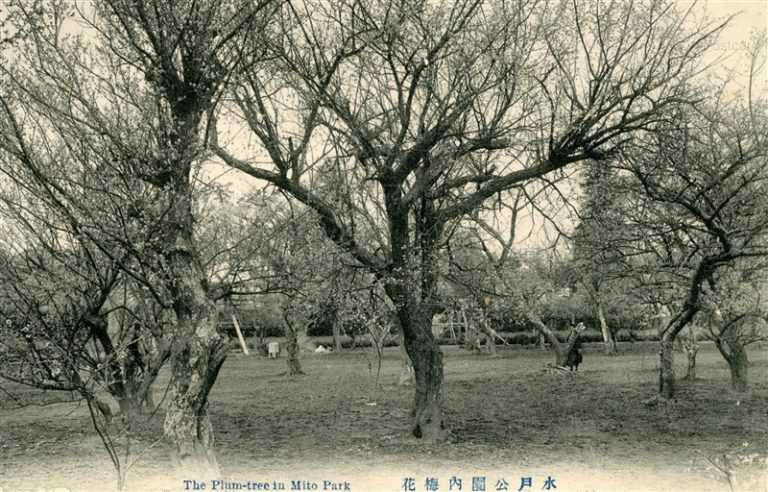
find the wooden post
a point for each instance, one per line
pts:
(467, 342)
(240, 334)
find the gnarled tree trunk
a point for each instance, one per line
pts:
(668, 332)
(197, 354)
(735, 354)
(413, 292)
(667, 368)
(292, 348)
(198, 349)
(739, 365)
(427, 360)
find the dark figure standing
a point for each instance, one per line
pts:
(574, 357)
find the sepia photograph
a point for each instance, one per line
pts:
(383, 245)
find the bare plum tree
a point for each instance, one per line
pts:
(428, 110)
(124, 98)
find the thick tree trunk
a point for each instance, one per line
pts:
(422, 349)
(198, 350)
(669, 332)
(197, 355)
(294, 351)
(336, 336)
(667, 369)
(738, 363)
(735, 354)
(414, 299)
(739, 367)
(427, 360)
(609, 342)
(294, 363)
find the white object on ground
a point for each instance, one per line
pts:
(273, 348)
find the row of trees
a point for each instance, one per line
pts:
(685, 224)
(396, 126)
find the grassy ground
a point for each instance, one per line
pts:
(509, 419)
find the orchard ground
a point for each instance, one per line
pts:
(591, 431)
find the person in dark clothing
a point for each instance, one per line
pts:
(574, 357)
